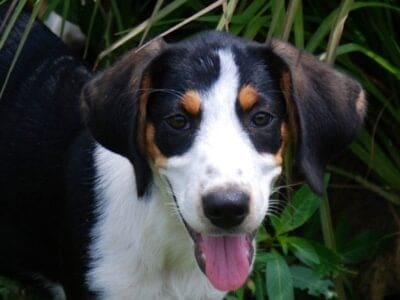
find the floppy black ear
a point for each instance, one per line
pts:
(329, 108)
(110, 106)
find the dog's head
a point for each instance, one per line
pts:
(212, 116)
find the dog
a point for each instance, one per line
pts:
(149, 179)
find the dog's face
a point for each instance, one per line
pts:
(211, 117)
(215, 133)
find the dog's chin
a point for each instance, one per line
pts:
(225, 259)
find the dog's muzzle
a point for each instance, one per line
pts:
(225, 258)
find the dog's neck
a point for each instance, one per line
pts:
(140, 241)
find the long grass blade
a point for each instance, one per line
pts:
(393, 198)
(138, 29)
(65, 13)
(50, 8)
(289, 19)
(151, 20)
(323, 30)
(278, 10)
(10, 10)
(256, 23)
(227, 17)
(190, 19)
(351, 47)
(13, 19)
(28, 27)
(90, 29)
(117, 15)
(299, 27)
(337, 31)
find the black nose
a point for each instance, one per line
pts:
(226, 208)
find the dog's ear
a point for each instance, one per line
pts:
(110, 107)
(326, 109)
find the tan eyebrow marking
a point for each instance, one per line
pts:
(285, 137)
(151, 147)
(191, 102)
(247, 97)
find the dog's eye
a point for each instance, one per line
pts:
(261, 119)
(178, 122)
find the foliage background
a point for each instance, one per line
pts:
(345, 245)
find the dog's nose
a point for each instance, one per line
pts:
(226, 208)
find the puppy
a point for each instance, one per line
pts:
(152, 185)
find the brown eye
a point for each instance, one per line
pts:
(178, 122)
(261, 119)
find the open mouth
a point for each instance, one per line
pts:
(224, 259)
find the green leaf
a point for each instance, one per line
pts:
(303, 250)
(303, 205)
(330, 261)
(259, 292)
(384, 63)
(262, 235)
(231, 297)
(362, 247)
(278, 278)
(310, 281)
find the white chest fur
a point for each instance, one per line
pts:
(139, 248)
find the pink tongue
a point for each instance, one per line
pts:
(226, 260)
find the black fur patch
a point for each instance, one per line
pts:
(257, 68)
(173, 73)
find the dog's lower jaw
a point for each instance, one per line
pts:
(140, 249)
(225, 259)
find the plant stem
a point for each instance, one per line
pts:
(24, 37)
(226, 18)
(337, 30)
(151, 20)
(278, 8)
(90, 30)
(391, 197)
(290, 15)
(139, 28)
(329, 240)
(15, 12)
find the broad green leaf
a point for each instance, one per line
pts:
(310, 281)
(303, 250)
(362, 247)
(330, 261)
(297, 212)
(282, 239)
(278, 278)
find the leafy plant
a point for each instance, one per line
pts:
(287, 261)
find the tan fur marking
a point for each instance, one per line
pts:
(146, 130)
(152, 149)
(247, 97)
(286, 86)
(285, 136)
(361, 104)
(191, 102)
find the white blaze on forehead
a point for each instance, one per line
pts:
(221, 134)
